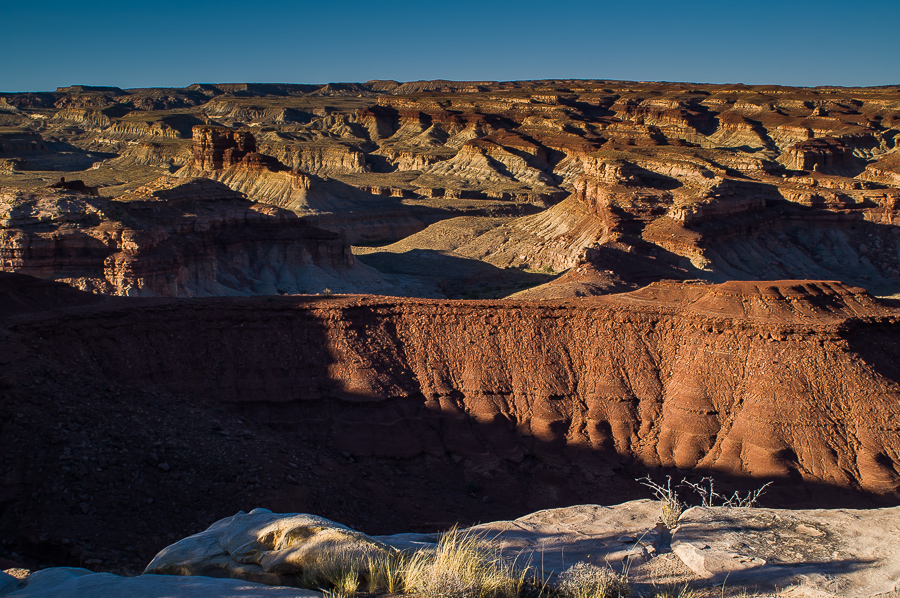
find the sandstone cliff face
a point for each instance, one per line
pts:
(323, 160)
(217, 147)
(822, 155)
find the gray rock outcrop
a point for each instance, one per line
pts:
(554, 539)
(814, 553)
(265, 547)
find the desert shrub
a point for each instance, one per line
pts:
(584, 580)
(671, 507)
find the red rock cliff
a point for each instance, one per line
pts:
(220, 147)
(749, 379)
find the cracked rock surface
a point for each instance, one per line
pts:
(834, 552)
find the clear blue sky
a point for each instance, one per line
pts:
(45, 44)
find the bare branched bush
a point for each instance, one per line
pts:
(584, 580)
(672, 508)
(705, 488)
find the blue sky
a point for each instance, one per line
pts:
(46, 44)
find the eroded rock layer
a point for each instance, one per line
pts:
(391, 414)
(645, 181)
(174, 237)
(424, 408)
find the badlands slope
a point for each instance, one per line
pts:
(501, 183)
(414, 414)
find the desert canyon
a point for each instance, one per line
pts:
(407, 306)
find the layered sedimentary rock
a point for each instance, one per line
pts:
(218, 147)
(825, 154)
(669, 174)
(529, 404)
(578, 377)
(175, 237)
(475, 189)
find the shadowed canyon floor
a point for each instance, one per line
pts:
(405, 306)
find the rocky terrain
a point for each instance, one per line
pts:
(492, 186)
(715, 551)
(226, 296)
(414, 414)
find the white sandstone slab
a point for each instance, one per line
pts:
(264, 547)
(64, 581)
(816, 553)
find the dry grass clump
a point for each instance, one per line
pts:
(584, 580)
(386, 572)
(345, 583)
(674, 591)
(338, 576)
(464, 566)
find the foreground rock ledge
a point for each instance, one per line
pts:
(65, 581)
(788, 553)
(817, 553)
(265, 547)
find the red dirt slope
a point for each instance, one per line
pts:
(416, 413)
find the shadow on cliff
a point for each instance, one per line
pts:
(879, 347)
(195, 409)
(500, 459)
(809, 243)
(63, 157)
(786, 241)
(387, 214)
(454, 276)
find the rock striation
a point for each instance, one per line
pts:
(531, 404)
(174, 237)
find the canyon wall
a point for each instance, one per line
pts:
(758, 380)
(174, 237)
(409, 413)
